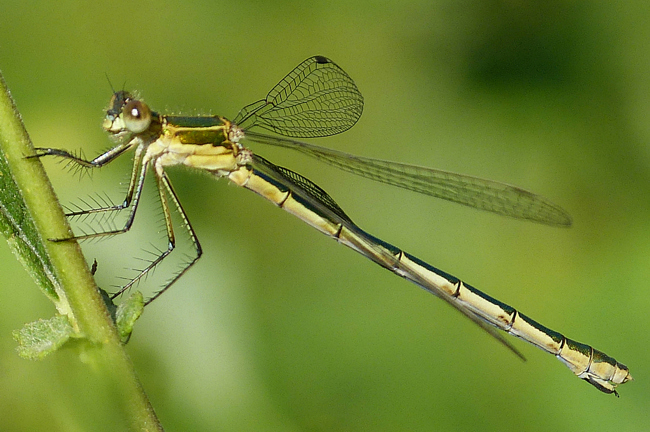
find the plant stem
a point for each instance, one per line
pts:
(79, 297)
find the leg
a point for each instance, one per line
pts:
(135, 184)
(98, 162)
(132, 200)
(133, 194)
(165, 189)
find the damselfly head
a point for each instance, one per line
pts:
(126, 114)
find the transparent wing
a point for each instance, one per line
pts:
(318, 98)
(493, 196)
(315, 99)
(308, 188)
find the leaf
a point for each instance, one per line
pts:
(38, 339)
(127, 314)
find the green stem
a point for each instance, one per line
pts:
(79, 297)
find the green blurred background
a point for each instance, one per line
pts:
(278, 328)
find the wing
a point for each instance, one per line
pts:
(318, 99)
(483, 194)
(315, 99)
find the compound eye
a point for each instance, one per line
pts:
(137, 116)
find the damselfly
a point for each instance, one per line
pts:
(319, 99)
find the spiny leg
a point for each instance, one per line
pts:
(133, 194)
(98, 162)
(136, 182)
(165, 189)
(132, 199)
(188, 226)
